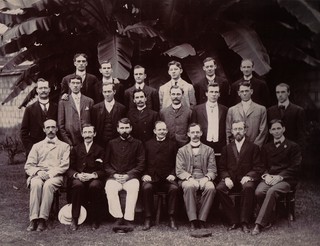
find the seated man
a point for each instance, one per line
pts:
(196, 169)
(86, 176)
(125, 160)
(159, 174)
(282, 159)
(48, 160)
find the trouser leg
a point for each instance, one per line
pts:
(206, 201)
(132, 188)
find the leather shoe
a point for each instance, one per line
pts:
(233, 227)
(41, 225)
(32, 226)
(172, 224)
(74, 224)
(268, 226)
(95, 225)
(147, 225)
(202, 224)
(245, 228)
(256, 230)
(193, 225)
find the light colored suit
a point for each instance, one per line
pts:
(255, 119)
(69, 122)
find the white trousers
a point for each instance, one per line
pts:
(112, 189)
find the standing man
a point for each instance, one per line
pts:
(48, 160)
(291, 115)
(254, 116)
(196, 169)
(125, 162)
(90, 84)
(212, 118)
(282, 159)
(177, 117)
(159, 174)
(261, 93)
(152, 94)
(86, 177)
(209, 67)
(105, 116)
(142, 118)
(31, 130)
(175, 71)
(240, 168)
(74, 113)
(107, 78)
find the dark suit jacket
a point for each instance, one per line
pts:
(97, 118)
(152, 98)
(160, 158)
(31, 130)
(142, 123)
(201, 88)
(284, 160)
(236, 165)
(294, 121)
(68, 119)
(81, 161)
(199, 115)
(90, 87)
(260, 94)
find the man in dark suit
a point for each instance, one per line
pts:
(151, 93)
(282, 159)
(86, 176)
(239, 168)
(291, 115)
(105, 116)
(142, 118)
(159, 174)
(209, 67)
(74, 113)
(31, 130)
(212, 118)
(261, 93)
(90, 83)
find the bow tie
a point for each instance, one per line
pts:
(277, 142)
(50, 142)
(282, 107)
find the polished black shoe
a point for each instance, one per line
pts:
(32, 226)
(233, 227)
(202, 224)
(41, 225)
(147, 224)
(256, 230)
(74, 224)
(193, 225)
(245, 228)
(172, 223)
(268, 226)
(118, 222)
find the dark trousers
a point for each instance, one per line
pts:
(246, 201)
(87, 191)
(148, 190)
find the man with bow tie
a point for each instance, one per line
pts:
(47, 161)
(282, 159)
(291, 115)
(196, 169)
(31, 130)
(209, 67)
(86, 177)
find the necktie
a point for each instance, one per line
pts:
(282, 107)
(44, 109)
(277, 143)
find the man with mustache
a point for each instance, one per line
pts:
(86, 177)
(124, 164)
(239, 168)
(31, 130)
(196, 169)
(47, 161)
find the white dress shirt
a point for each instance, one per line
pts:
(213, 122)
(239, 144)
(88, 146)
(109, 105)
(76, 99)
(139, 86)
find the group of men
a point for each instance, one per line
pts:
(114, 139)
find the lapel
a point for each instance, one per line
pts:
(235, 152)
(82, 103)
(243, 149)
(38, 113)
(240, 110)
(203, 111)
(219, 112)
(73, 104)
(251, 108)
(180, 111)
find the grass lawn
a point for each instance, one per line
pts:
(14, 221)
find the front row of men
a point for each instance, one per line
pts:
(162, 167)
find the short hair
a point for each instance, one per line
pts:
(284, 85)
(244, 83)
(138, 66)
(42, 80)
(124, 121)
(80, 54)
(159, 122)
(176, 87)
(212, 85)
(48, 120)
(247, 59)
(209, 59)
(87, 125)
(105, 84)
(137, 91)
(75, 76)
(274, 121)
(193, 124)
(176, 63)
(105, 62)
(238, 121)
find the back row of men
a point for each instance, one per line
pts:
(84, 99)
